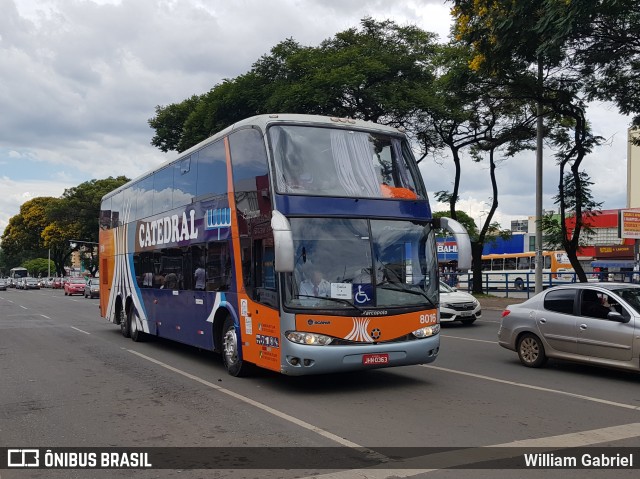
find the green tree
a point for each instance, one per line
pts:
(169, 123)
(75, 217)
(604, 42)
(463, 218)
(526, 47)
(46, 225)
(380, 72)
(22, 238)
(559, 230)
(39, 267)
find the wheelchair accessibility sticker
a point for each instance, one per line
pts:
(362, 294)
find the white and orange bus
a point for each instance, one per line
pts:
(517, 269)
(297, 243)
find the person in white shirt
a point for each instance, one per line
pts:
(200, 278)
(315, 285)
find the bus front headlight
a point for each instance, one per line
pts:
(311, 339)
(427, 331)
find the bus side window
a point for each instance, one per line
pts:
(218, 266)
(212, 170)
(116, 207)
(547, 262)
(265, 290)
(105, 214)
(184, 180)
(162, 190)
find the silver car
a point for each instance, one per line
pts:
(596, 323)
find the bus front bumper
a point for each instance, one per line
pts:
(300, 359)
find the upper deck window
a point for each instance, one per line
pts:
(340, 162)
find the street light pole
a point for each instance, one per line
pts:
(539, 135)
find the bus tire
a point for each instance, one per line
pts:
(519, 284)
(234, 365)
(123, 320)
(531, 351)
(132, 319)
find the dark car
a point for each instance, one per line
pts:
(92, 288)
(30, 283)
(595, 323)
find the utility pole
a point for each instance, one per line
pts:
(539, 138)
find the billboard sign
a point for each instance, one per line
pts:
(630, 224)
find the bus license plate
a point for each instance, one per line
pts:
(375, 359)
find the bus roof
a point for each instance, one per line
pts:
(262, 122)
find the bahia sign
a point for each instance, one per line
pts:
(447, 249)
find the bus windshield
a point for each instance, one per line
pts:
(347, 163)
(347, 264)
(18, 273)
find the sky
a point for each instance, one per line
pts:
(81, 78)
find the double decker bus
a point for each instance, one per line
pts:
(297, 243)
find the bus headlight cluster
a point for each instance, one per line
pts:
(311, 339)
(426, 332)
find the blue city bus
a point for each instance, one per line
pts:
(297, 243)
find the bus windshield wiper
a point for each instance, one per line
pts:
(397, 287)
(337, 300)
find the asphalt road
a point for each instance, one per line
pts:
(69, 379)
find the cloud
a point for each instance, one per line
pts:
(82, 77)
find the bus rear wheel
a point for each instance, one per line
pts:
(134, 322)
(123, 320)
(234, 365)
(519, 284)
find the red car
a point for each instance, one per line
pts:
(56, 283)
(74, 286)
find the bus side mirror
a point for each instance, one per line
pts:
(282, 242)
(462, 240)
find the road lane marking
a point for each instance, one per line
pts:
(469, 456)
(44, 316)
(537, 388)
(78, 329)
(469, 339)
(326, 434)
(23, 307)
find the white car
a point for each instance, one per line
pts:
(458, 306)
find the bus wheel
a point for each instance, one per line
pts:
(519, 284)
(134, 320)
(531, 351)
(230, 350)
(124, 323)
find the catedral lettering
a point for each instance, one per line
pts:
(243, 245)
(170, 229)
